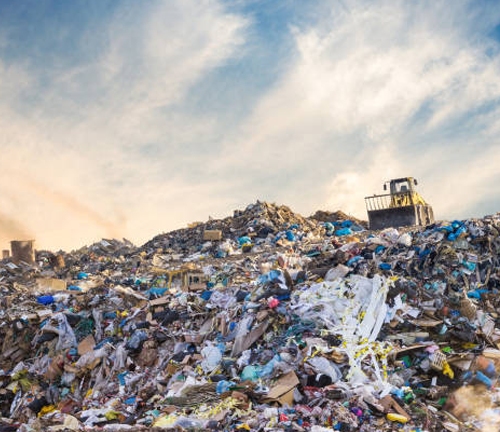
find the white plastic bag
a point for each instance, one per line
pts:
(67, 338)
(212, 356)
(324, 367)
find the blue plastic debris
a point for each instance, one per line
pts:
(156, 291)
(343, 232)
(354, 260)
(244, 240)
(45, 300)
(205, 295)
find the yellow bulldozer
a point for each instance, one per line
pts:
(402, 206)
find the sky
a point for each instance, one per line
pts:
(128, 119)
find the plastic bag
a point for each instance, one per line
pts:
(212, 356)
(268, 368)
(120, 357)
(67, 338)
(337, 272)
(244, 358)
(244, 326)
(250, 373)
(405, 239)
(324, 367)
(224, 386)
(244, 240)
(89, 357)
(45, 300)
(136, 340)
(97, 315)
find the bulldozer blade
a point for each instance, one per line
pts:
(400, 217)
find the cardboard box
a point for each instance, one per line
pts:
(282, 390)
(51, 284)
(212, 235)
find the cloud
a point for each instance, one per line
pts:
(74, 165)
(117, 139)
(384, 89)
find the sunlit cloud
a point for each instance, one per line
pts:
(121, 141)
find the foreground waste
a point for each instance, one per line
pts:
(284, 324)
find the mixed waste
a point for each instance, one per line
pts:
(263, 321)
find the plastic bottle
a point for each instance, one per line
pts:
(397, 418)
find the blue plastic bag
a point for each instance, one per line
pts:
(156, 291)
(343, 232)
(354, 260)
(205, 295)
(244, 240)
(250, 373)
(224, 386)
(45, 300)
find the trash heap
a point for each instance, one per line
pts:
(283, 323)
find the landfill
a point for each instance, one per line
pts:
(262, 321)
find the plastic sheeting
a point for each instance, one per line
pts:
(354, 309)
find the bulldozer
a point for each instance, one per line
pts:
(402, 206)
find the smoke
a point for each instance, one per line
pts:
(11, 229)
(77, 208)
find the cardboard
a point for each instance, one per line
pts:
(192, 338)
(86, 345)
(426, 322)
(212, 235)
(243, 343)
(390, 404)
(160, 301)
(491, 353)
(44, 313)
(52, 284)
(282, 390)
(54, 369)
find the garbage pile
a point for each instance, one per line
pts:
(283, 323)
(258, 220)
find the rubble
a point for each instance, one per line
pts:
(278, 323)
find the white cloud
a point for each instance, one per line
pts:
(372, 90)
(380, 89)
(70, 171)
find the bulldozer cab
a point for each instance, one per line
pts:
(403, 206)
(400, 185)
(403, 192)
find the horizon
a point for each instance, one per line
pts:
(185, 226)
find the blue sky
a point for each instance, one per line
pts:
(126, 119)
